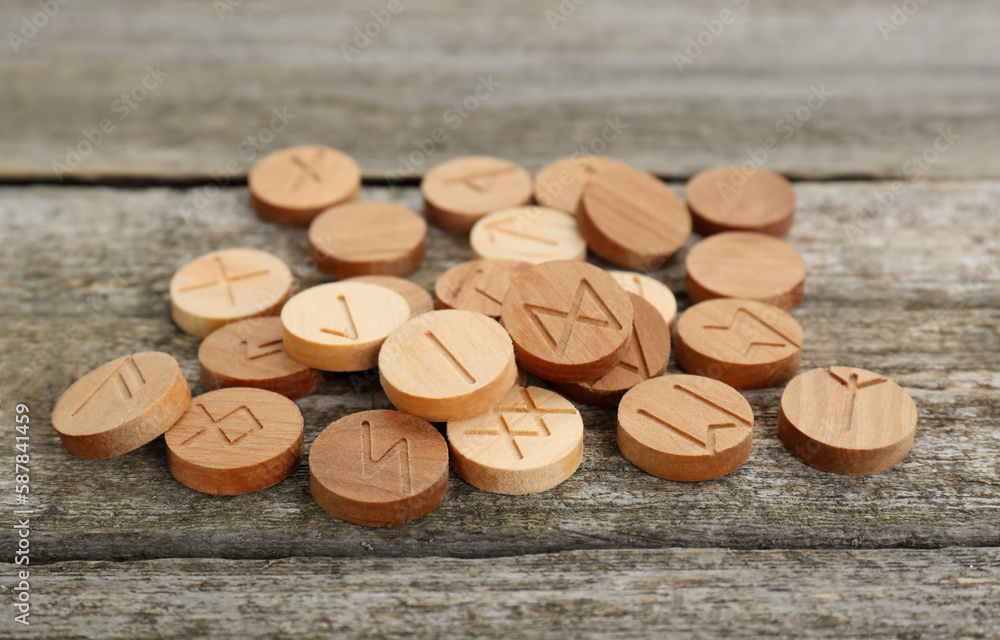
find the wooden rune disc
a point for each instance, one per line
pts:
(368, 238)
(291, 186)
(447, 365)
(531, 441)
(459, 192)
(685, 428)
(847, 420)
(744, 343)
(559, 185)
(121, 405)
(570, 321)
(651, 290)
(477, 285)
(228, 285)
(741, 264)
(340, 326)
(528, 234)
(632, 219)
(733, 199)
(417, 297)
(251, 353)
(236, 440)
(646, 357)
(379, 468)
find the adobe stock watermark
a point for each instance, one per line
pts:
(453, 118)
(899, 15)
(698, 43)
(31, 27)
(586, 153)
(122, 107)
(563, 11)
(913, 169)
(787, 125)
(222, 7)
(248, 149)
(365, 34)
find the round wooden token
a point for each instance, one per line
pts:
(121, 405)
(847, 420)
(228, 285)
(528, 234)
(632, 219)
(685, 428)
(559, 185)
(732, 199)
(237, 440)
(293, 185)
(366, 238)
(340, 326)
(417, 297)
(741, 264)
(251, 353)
(379, 468)
(570, 321)
(531, 441)
(646, 357)
(651, 290)
(744, 343)
(447, 365)
(459, 192)
(478, 285)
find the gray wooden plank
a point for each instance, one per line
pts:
(676, 593)
(221, 78)
(915, 296)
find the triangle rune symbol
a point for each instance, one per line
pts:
(571, 317)
(261, 350)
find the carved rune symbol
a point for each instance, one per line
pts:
(703, 434)
(572, 317)
(513, 226)
(370, 466)
(508, 430)
(853, 386)
(450, 357)
(127, 378)
(469, 284)
(350, 330)
(307, 173)
(481, 181)
(230, 428)
(259, 351)
(226, 281)
(750, 332)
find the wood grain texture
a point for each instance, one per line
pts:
(340, 326)
(460, 192)
(477, 285)
(847, 420)
(551, 91)
(744, 264)
(632, 219)
(531, 441)
(445, 365)
(907, 291)
(368, 238)
(251, 353)
(417, 297)
(379, 468)
(740, 199)
(236, 440)
(680, 593)
(560, 184)
(745, 343)
(121, 405)
(651, 290)
(685, 428)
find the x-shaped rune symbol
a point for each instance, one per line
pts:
(225, 280)
(507, 429)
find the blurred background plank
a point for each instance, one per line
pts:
(912, 292)
(216, 71)
(676, 593)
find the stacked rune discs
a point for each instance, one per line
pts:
(528, 302)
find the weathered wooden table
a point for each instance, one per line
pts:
(116, 115)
